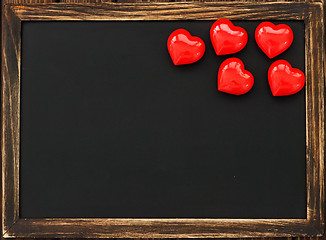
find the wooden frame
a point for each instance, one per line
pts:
(14, 226)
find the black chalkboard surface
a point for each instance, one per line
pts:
(110, 128)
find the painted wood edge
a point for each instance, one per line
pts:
(161, 228)
(10, 101)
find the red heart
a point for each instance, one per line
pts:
(285, 80)
(233, 78)
(226, 38)
(273, 40)
(184, 48)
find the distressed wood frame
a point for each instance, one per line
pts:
(313, 15)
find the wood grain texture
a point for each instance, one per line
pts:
(160, 228)
(11, 60)
(162, 11)
(315, 81)
(310, 11)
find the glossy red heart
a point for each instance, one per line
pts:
(285, 80)
(273, 39)
(227, 38)
(184, 48)
(233, 78)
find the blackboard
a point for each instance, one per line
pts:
(110, 128)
